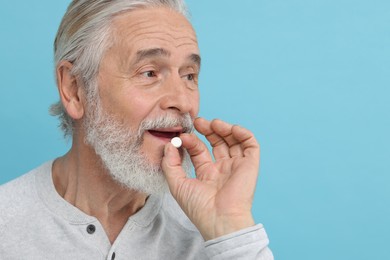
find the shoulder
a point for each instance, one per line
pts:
(14, 190)
(19, 196)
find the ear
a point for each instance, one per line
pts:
(70, 90)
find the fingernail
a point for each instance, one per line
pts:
(165, 150)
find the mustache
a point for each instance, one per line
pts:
(185, 121)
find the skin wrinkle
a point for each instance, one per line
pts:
(134, 34)
(134, 40)
(146, 34)
(147, 21)
(183, 44)
(149, 54)
(175, 29)
(192, 68)
(193, 61)
(137, 33)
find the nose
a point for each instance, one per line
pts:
(179, 97)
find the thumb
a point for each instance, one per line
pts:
(172, 168)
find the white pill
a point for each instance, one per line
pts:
(176, 141)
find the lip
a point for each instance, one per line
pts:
(178, 129)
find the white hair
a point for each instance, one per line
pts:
(84, 36)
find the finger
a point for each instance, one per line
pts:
(224, 130)
(172, 168)
(220, 147)
(247, 140)
(200, 156)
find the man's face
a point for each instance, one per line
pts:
(150, 71)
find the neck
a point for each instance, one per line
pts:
(87, 185)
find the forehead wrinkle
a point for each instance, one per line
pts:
(184, 44)
(137, 39)
(138, 25)
(184, 37)
(185, 40)
(134, 29)
(138, 31)
(151, 23)
(154, 28)
(140, 22)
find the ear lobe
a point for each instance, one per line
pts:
(70, 90)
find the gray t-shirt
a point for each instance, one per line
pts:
(37, 223)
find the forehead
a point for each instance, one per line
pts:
(154, 27)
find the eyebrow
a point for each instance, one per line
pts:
(160, 52)
(196, 59)
(151, 53)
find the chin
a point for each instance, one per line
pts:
(155, 157)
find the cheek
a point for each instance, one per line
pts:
(195, 105)
(132, 109)
(138, 105)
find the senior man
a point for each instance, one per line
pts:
(127, 76)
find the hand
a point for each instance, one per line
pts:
(219, 200)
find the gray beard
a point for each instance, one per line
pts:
(120, 149)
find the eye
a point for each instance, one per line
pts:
(191, 80)
(191, 77)
(149, 74)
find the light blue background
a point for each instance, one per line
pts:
(309, 77)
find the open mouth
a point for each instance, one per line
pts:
(164, 133)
